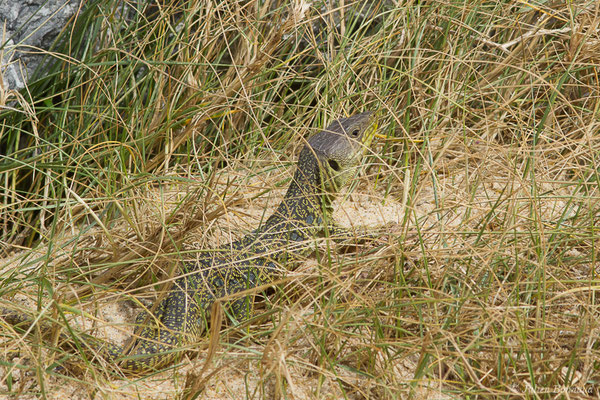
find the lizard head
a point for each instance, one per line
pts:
(340, 147)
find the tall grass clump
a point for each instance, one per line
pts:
(155, 131)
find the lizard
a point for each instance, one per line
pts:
(325, 164)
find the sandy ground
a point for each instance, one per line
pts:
(231, 378)
(254, 370)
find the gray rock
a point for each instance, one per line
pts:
(31, 27)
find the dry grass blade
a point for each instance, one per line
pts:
(156, 244)
(195, 383)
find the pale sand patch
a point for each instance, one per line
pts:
(233, 381)
(441, 213)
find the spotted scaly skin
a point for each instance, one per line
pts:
(325, 165)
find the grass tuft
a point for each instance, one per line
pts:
(157, 124)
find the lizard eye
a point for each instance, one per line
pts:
(355, 132)
(334, 165)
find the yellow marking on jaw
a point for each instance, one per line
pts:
(369, 134)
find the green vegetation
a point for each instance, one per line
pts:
(167, 124)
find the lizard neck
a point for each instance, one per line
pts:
(304, 200)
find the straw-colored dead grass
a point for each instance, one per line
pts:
(478, 276)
